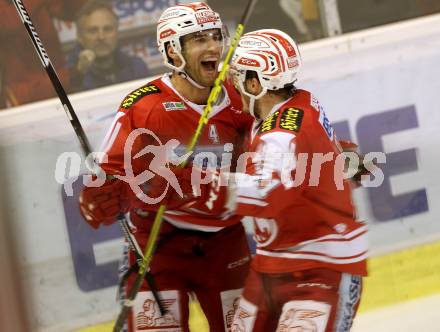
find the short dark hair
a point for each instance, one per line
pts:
(287, 91)
(92, 6)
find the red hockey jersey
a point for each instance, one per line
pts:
(294, 190)
(154, 116)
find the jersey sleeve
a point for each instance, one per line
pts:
(118, 143)
(131, 131)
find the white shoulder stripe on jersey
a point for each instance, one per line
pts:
(337, 237)
(326, 259)
(335, 249)
(111, 134)
(251, 201)
(186, 225)
(225, 215)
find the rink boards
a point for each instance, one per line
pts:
(378, 87)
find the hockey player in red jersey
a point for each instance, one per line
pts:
(197, 251)
(311, 251)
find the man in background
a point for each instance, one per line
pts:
(304, 15)
(198, 252)
(24, 78)
(97, 61)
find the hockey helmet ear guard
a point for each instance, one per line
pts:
(182, 20)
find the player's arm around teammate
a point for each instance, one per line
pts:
(311, 251)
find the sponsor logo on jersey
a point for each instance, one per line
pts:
(270, 122)
(315, 103)
(136, 95)
(325, 122)
(291, 119)
(174, 106)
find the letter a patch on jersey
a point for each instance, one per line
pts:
(213, 134)
(136, 95)
(291, 119)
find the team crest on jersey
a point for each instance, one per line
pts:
(270, 122)
(174, 106)
(136, 95)
(291, 119)
(265, 231)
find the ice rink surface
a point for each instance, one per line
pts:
(421, 315)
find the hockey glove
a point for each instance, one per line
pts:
(199, 190)
(348, 146)
(102, 205)
(174, 190)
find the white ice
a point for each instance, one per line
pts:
(421, 315)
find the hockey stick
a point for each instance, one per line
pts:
(155, 229)
(74, 121)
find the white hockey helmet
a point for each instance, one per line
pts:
(272, 54)
(183, 19)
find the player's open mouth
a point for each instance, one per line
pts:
(209, 65)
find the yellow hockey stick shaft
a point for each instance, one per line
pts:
(155, 229)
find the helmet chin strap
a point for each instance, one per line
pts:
(252, 106)
(252, 98)
(181, 71)
(186, 76)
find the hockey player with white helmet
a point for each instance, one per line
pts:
(200, 24)
(198, 251)
(311, 251)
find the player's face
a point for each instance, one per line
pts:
(202, 52)
(244, 99)
(99, 32)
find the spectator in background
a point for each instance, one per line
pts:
(305, 16)
(96, 61)
(24, 79)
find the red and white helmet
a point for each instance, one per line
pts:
(272, 54)
(181, 20)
